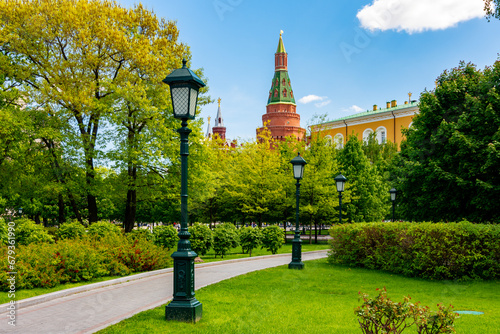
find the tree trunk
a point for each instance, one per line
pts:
(60, 203)
(315, 232)
(131, 205)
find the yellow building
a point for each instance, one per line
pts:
(386, 122)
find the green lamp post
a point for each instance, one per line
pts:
(340, 180)
(298, 171)
(184, 87)
(393, 193)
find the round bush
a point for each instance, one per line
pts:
(4, 230)
(225, 238)
(102, 229)
(70, 230)
(201, 238)
(141, 233)
(250, 238)
(165, 236)
(27, 232)
(272, 238)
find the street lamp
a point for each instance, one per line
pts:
(184, 87)
(393, 193)
(340, 181)
(298, 171)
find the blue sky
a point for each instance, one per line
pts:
(343, 56)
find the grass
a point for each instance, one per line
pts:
(235, 253)
(319, 299)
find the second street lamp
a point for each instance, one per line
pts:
(184, 87)
(298, 171)
(393, 193)
(340, 181)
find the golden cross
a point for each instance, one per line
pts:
(219, 101)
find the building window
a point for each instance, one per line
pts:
(381, 135)
(291, 93)
(284, 92)
(366, 135)
(339, 141)
(275, 93)
(283, 81)
(328, 140)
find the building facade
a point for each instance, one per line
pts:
(387, 123)
(281, 117)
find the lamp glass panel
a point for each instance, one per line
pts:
(340, 186)
(297, 171)
(193, 97)
(180, 99)
(393, 196)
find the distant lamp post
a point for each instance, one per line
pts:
(184, 87)
(340, 180)
(298, 171)
(393, 193)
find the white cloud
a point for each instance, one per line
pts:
(311, 98)
(418, 15)
(353, 109)
(322, 104)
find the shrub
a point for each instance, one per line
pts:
(272, 238)
(427, 250)
(141, 233)
(46, 265)
(165, 236)
(382, 315)
(250, 238)
(4, 232)
(70, 230)
(201, 238)
(102, 228)
(225, 238)
(27, 232)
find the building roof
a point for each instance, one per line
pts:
(374, 112)
(281, 47)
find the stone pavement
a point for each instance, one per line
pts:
(92, 307)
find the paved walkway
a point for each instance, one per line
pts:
(90, 308)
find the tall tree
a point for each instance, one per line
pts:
(449, 164)
(86, 60)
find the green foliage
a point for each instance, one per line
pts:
(27, 232)
(382, 315)
(428, 250)
(102, 229)
(141, 233)
(250, 238)
(47, 265)
(165, 236)
(448, 167)
(225, 238)
(70, 230)
(365, 197)
(4, 232)
(272, 238)
(201, 238)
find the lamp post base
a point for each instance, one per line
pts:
(185, 310)
(296, 253)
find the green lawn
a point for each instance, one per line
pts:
(319, 299)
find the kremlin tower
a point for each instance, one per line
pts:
(219, 128)
(281, 117)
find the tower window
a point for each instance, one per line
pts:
(275, 93)
(283, 82)
(284, 92)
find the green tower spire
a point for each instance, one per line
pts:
(281, 87)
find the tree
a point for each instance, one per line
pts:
(272, 238)
(365, 196)
(225, 238)
(492, 8)
(92, 63)
(450, 161)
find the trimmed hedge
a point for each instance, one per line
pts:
(48, 264)
(428, 250)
